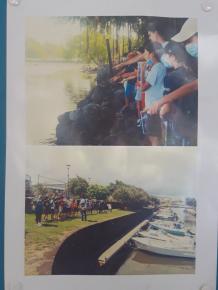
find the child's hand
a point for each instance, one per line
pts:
(118, 66)
(145, 110)
(154, 109)
(138, 84)
(115, 79)
(143, 86)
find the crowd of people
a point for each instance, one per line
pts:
(160, 81)
(59, 208)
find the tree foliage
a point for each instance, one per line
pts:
(78, 186)
(46, 51)
(125, 33)
(97, 191)
(130, 196)
(40, 189)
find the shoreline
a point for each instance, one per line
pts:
(34, 264)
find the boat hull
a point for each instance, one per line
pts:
(176, 232)
(142, 245)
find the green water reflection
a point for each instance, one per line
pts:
(52, 89)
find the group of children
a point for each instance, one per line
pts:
(59, 208)
(161, 80)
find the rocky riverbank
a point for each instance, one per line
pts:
(97, 121)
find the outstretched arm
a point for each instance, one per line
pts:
(131, 77)
(130, 61)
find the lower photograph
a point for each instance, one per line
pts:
(110, 211)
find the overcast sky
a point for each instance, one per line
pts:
(54, 30)
(157, 170)
(50, 30)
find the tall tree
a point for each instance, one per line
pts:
(97, 191)
(78, 186)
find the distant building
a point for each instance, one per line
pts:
(56, 188)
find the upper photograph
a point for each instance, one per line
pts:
(112, 81)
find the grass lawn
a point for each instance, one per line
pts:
(39, 241)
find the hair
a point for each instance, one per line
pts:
(157, 27)
(141, 49)
(178, 51)
(151, 49)
(196, 34)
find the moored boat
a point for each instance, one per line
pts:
(164, 246)
(169, 227)
(166, 217)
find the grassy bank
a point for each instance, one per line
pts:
(41, 243)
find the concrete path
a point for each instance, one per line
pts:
(109, 253)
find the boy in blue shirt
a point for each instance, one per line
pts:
(154, 90)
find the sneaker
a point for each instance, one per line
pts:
(138, 123)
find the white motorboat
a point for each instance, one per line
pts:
(166, 217)
(151, 233)
(164, 236)
(164, 246)
(169, 226)
(159, 242)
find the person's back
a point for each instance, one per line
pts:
(184, 110)
(39, 207)
(75, 204)
(154, 89)
(82, 206)
(82, 203)
(176, 79)
(52, 204)
(155, 78)
(46, 204)
(38, 212)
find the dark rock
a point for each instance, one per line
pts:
(73, 116)
(96, 122)
(103, 76)
(64, 118)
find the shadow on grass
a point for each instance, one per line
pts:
(50, 225)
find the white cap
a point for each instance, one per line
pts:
(189, 29)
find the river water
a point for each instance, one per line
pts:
(138, 262)
(52, 89)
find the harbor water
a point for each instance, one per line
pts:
(143, 263)
(137, 262)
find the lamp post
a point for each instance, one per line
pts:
(68, 178)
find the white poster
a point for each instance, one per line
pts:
(111, 145)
